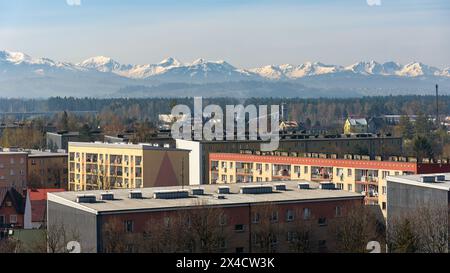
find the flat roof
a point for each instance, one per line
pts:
(36, 153)
(415, 180)
(140, 146)
(124, 204)
(293, 138)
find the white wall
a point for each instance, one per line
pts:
(195, 162)
(27, 216)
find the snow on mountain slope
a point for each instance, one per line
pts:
(171, 69)
(416, 69)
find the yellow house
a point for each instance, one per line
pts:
(355, 125)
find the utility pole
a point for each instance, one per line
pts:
(437, 107)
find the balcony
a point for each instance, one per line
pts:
(367, 180)
(244, 171)
(321, 173)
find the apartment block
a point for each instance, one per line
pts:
(358, 174)
(13, 168)
(94, 166)
(47, 169)
(340, 145)
(240, 215)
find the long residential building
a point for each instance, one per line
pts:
(358, 174)
(340, 145)
(97, 165)
(239, 217)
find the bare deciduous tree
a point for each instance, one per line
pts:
(424, 230)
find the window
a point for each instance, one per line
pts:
(383, 190)
(290, 236)
(267, 167)
(384, 174)
(338, 212)
(306, 213)
(8, 203)
(255, 218)
(128, 225)
(340, 186)
(349, 172)
(224, 178)
(239, 249)
(231, 165)
(11, 160)
(13, 219)
(305, 169)
(239, 228)
(397, 173)
(383, 205)
(290, 215)
(322, 221)
(22, 160)
(297, 170)
(231, 178)
(274, 216)
(11, 172)
(350, 187)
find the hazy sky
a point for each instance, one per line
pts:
(245, 33)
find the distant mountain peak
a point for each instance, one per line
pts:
(169, 61)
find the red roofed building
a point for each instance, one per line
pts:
(36, 207)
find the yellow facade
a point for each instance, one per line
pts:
(355, 127)
(115, 166)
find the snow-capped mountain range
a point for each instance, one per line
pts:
(200, 66)
(23, 75)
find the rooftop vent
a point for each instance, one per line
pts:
(223, 190)
(107, 196)
(256, 189)
(198, 191)
(327, 186)
(171, 194)
(135, 195)
(303, 186)
(440, 178)
(86, 198)
(280, 187)
(428, 178)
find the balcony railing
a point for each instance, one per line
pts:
(243, 170)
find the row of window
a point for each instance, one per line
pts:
(13, 161)
(256, 219)
(113, 159)
(12, 218)
(297, 169)
(12, 172)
